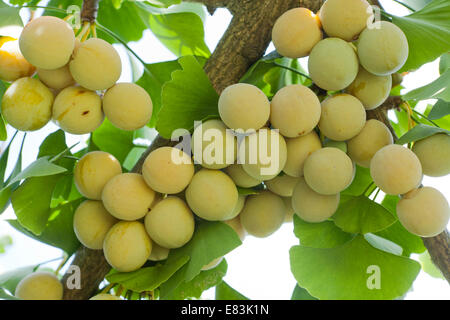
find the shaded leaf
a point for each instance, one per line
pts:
(419, 132)
(225, 292)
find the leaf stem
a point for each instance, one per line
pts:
(367, 189)
(405, 5)
(425, 117)
(292, 70)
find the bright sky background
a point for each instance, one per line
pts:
(259, 268)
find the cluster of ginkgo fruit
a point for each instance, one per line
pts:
(75, 83)
(264, 161)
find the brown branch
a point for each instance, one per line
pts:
(439, 250)
(89, 10)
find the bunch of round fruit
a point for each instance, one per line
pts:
(75, 83)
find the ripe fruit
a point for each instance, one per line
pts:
(370, 89)
(238, 207)
(328, 171)
(312, 206)
(158, 253)
(127, 197)
(295, 110)
(282, 185)
(336, 72)
(57, 78)
(263, 214)
(263, 154)
(105, 296)
(77, 110)
(296, 32)
(236, 225)
(424, 212)
(383, 50)
(395, 169)
(168, 170)
(213, 146)
(96, 65)
(47, 42)
(93, 171)
(240, 177)
(27, 104)
(212, 195)
(128, 106)
(343, 117)
(372, 138)
(12, 63)
(298, 149)
(91, 223)
(39, 286)
(170, 223)
(434, 154)
(127, 246)
(244, 106)
(345, 19)
(289, 209)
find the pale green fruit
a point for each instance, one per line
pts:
(170, 223)
(424, 212)
(328, 171)
(238, 207)
(96, 65)
(434, 154)
(343, 117)
(158, 253)
(370, 89)
(127, 246)
(47, 42)
(91, 223)
(296, 32)
(27, 104)
(263, 214)
(383, 49)
(93, 171)
(236, 225)
(212, 195)
(240, 177)
(333, 64)
(168, 170)
(282, 185)
(77, 110)
(345, 19)
(56, 78)
(127, 197)
(39, 285)
(374, 136)
(395, 169)
(213, 146)
(105, 296)
(311, 206)
(244, 106)
(295, 110)
(128, 106)
(13, 65)
(298, 149)
(263, 154)
(289, 209)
